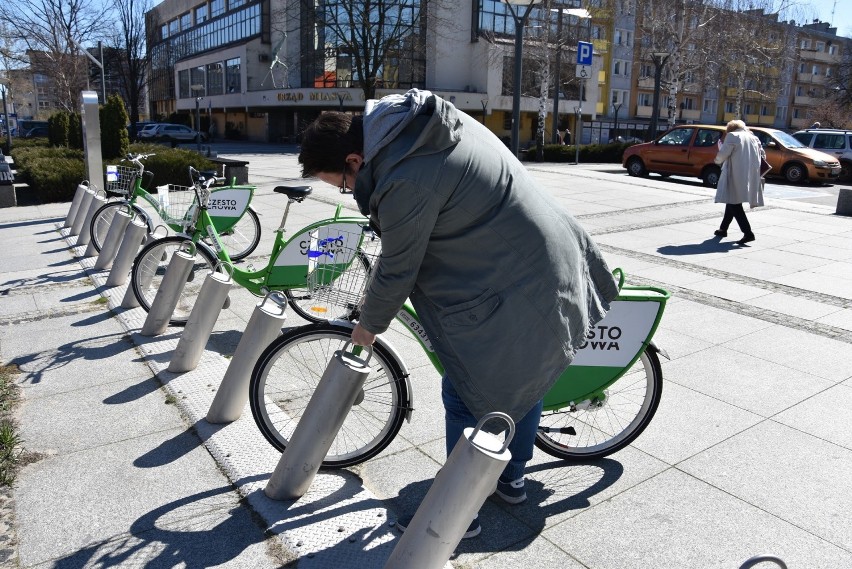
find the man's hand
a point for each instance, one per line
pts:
(360, 337)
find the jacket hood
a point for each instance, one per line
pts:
(387, 133)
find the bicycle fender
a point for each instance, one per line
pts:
(658, 350)
(403, 368)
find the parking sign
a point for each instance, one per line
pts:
(584, 53)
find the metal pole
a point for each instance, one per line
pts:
(103, 73)
(578, 130)
(516, 95)
(197, 126)
(6, 123)
(615, 135)
(557, 84)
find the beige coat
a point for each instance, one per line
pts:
(740, 179)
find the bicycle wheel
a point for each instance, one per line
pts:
(318, 306)
(607, 426)
(149, 268)
(242, 239)
(287, 373)
(102, 219)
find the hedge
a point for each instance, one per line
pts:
(53, 173)
(589, 153)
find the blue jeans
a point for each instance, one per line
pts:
(457, 418)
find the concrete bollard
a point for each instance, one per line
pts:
(133, 236)
(211, 300)
(170, 290)
(75, 203)
(112, 240)
(82, 209)
(336, 392)
(263, 327)
(85, 236)
(457, 493)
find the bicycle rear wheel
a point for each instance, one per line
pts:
(318, 306)
(286, 376)
(606, 426)
(242, 239)
(149, 268)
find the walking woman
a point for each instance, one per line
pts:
(740, 179)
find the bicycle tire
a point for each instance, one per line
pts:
(292, 366)
(309, 305)
(609, 426)
(102, 219)
(149, 268)
(242, 239)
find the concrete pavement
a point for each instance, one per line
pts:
(749, 452)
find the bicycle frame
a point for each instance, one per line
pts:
(291, 259)
(611, 347)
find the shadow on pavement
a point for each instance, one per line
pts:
(713, 245)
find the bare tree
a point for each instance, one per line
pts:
(127, 57)
(50, 32)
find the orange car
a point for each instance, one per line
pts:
(689, 150)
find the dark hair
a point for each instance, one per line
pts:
(328, 141)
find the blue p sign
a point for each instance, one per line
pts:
(584, 53)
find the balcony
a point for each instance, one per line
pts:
(804, 100)
(811, 55)
(642, 111)
(752, 119)
(766, 120)
(646, 83)
(800, 123)
(731, 91)
(690, 114)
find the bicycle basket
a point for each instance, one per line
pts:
(120, 180)
(176, 203)
(339, 271)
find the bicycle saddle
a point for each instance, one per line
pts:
(297, 193)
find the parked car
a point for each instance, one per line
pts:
(686, 150)
(139, 127)
(690, 150)
(792, 160)
(837, 143)
(35, 132)
(170, 133)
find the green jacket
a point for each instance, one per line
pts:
(505, 281)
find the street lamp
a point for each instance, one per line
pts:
(617, 107)
(520, 22)
(660, 59)
(4, 83)
(197, 88)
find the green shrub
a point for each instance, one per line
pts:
(589, 153)
(54, 179)
(114, 136)
(57, 129)
(75, 131)
(170, 165)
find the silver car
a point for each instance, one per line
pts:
(170, 133)
(834, 142)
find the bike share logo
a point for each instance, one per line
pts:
(228, 202)
(615, 340)
(327, 247)
(602, 338)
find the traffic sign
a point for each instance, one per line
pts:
(584, 53)
(583, 71)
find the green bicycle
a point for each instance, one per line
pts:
(336, 241)
(238, 224)
(599, 405)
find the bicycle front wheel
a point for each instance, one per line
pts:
(330, 302)
(587, 432)
(286, 376)
(149, 268)
(242, 239)
(102, 219)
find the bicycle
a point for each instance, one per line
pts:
(236, 221)
(337, 238)
(599, 405)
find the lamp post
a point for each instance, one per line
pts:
(484, 103)
(617, 107)
(520, 22)
(580, 13)
(4, 84)
(660, 59)
(196, 88)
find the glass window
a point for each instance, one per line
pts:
(233, 78)
(829, 141)
(196, 81)
(202, 14)
(781, 113)
(164, 31)
(677, 137)
(174, 27)
(185, 21)
(183, 84)
(217, 7)
(707, 137)
(215, 78)
(233, 4)
(709, 105)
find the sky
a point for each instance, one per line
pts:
(842, 13)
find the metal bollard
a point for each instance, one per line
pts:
(336, 392)
(112, 240)
(133, 236)
(457, 493)
(203, 317)
(263, 327)
(170, 290)
(82, 209)
(75, 203)
(85, 236)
